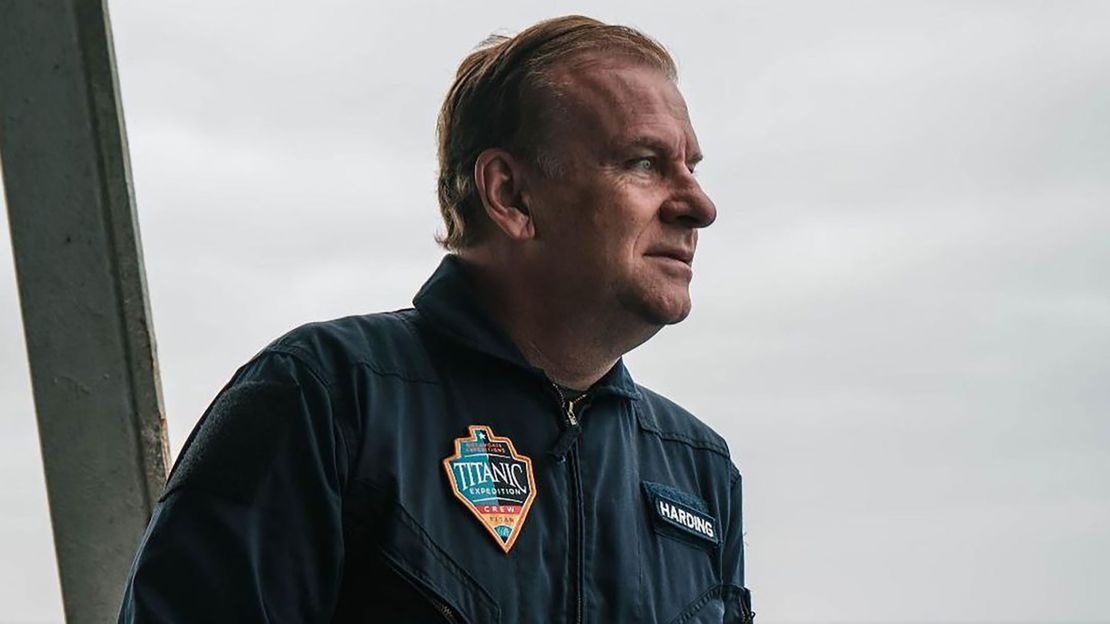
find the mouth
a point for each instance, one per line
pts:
(679, 255)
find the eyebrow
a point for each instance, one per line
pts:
(656, 145)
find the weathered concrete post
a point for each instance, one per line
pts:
(82, 291)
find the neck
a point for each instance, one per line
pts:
(553, 329)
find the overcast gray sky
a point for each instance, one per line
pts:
(902, 314)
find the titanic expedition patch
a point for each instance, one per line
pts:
(493, 481)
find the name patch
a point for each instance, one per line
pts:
(679, 511)
(493, 481)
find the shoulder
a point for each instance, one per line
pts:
(387, 343)
(669, 421)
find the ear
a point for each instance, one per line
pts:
(500, 179)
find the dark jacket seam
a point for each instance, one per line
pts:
(697, 443)
(688, 441)
(305, 357)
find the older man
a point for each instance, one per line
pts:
(484, 456)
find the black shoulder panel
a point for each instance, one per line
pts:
(234, 446)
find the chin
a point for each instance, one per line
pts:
(673, 316)
(660, 308)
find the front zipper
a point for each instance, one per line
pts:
(442, 608)
(563, 447)
(580, 534)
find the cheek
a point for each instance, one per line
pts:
(642, 230)
(614, 225)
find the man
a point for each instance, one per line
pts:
(485, 456)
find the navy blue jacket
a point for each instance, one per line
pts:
(412, 467)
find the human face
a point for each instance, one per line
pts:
(619, 223)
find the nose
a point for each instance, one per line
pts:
(689, 205)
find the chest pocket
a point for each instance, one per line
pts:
(455, 596)
(395, 572)
(680, 579)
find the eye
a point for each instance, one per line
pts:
(643, 164)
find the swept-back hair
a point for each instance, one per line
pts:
(504, 96)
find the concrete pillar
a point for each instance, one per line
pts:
(82, 292)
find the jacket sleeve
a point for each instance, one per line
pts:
(249, 527)
(737, 598)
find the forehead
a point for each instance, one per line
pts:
(606, 101)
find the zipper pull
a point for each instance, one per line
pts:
(570, 432)
(444, 610)
(572, 420)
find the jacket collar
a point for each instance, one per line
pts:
(449, 301)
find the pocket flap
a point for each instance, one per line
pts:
(409, 549)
